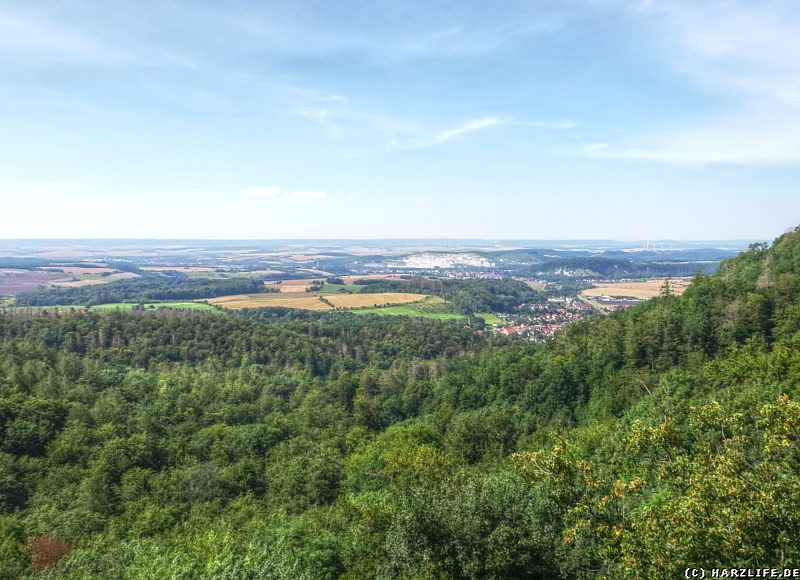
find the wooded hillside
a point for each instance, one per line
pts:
(185, 445)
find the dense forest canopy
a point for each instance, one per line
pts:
(466, 296)
(187, 445)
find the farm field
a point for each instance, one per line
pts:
(363, 300)
(300, 300)
(92, 279)
(13, 281)
(293, 286)
(343, 288)
(419, 311)
(302, 284)
(411, 310)
(641, 290)
(490, 318)
(306, 301)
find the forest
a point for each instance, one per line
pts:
(175, 286)
(184, 445)
(465, 296)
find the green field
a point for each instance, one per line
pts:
(414, 310)
(408, 310)
(338, 288)
(490, 318)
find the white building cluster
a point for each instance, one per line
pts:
(427, 260)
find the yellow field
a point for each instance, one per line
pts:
(306, 301)
(372, 300)
(643, 290)
(292, 286)
(301, 300)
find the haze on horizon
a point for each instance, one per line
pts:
(658, 119)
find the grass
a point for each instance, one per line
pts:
(415, 311)
(408, 310)
(338, 288)
(490, 318)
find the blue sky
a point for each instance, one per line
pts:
(536, 119)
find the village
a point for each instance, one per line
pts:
(539, 321)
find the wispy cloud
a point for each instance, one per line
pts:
(744, 56)
(478, 124)
(270, 191)
(28, 40)
(306, 195)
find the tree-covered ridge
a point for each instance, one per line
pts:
(466, 296)
(635, 445)
(150, 287)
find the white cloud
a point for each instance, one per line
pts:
(306, 195)
(479, 124)
(742, 54)
(468, 127)
(270, 191)
(37, 40)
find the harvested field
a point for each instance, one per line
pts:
(94, 280)
(642, 290)
(292, 286)
(14, 281)
(373, 300)
(300, 300)
(306, 301)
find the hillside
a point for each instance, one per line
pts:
(184, 445)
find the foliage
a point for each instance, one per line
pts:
(268, 445)
(144, 289)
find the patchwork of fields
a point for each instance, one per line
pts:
(93, 279)
(306, 301)
(15, 281)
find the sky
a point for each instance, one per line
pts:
(536, 119)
